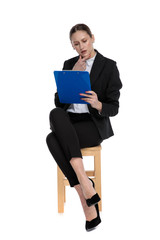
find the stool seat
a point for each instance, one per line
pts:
(95, 174)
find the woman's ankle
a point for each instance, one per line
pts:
(88, 189)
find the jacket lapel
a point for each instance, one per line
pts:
(97, 67)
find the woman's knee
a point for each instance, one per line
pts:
(48, 138)
(56, 112)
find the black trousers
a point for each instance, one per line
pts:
(70, 133)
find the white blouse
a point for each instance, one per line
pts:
(82, 108)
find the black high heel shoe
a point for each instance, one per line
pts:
(91, 225)
(94, 199)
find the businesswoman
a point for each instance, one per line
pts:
(76, 126)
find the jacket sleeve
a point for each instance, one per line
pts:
(110, 106)
(110, 102)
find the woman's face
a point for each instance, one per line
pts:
(83, 44)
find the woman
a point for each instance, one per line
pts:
(76, 126)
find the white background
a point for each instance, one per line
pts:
(34, 42)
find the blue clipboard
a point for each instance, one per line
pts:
(70, 84)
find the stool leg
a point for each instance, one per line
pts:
(60, 188)
(97, 168)
(64, 193)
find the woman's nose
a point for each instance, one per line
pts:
(81, 46)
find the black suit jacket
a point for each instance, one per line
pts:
(105, 82)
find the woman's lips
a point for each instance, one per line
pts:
(83, 52)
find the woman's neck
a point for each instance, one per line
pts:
(93, 53)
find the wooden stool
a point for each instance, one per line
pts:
(95, 175)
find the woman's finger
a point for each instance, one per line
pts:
(89, 100)
(86, 95)
(91, 92)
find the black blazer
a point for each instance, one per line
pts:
(105, 82)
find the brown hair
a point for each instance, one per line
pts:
(80, 27)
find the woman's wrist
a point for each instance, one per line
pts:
(99, 107)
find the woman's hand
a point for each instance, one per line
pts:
(80, 64)
(91, 97)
